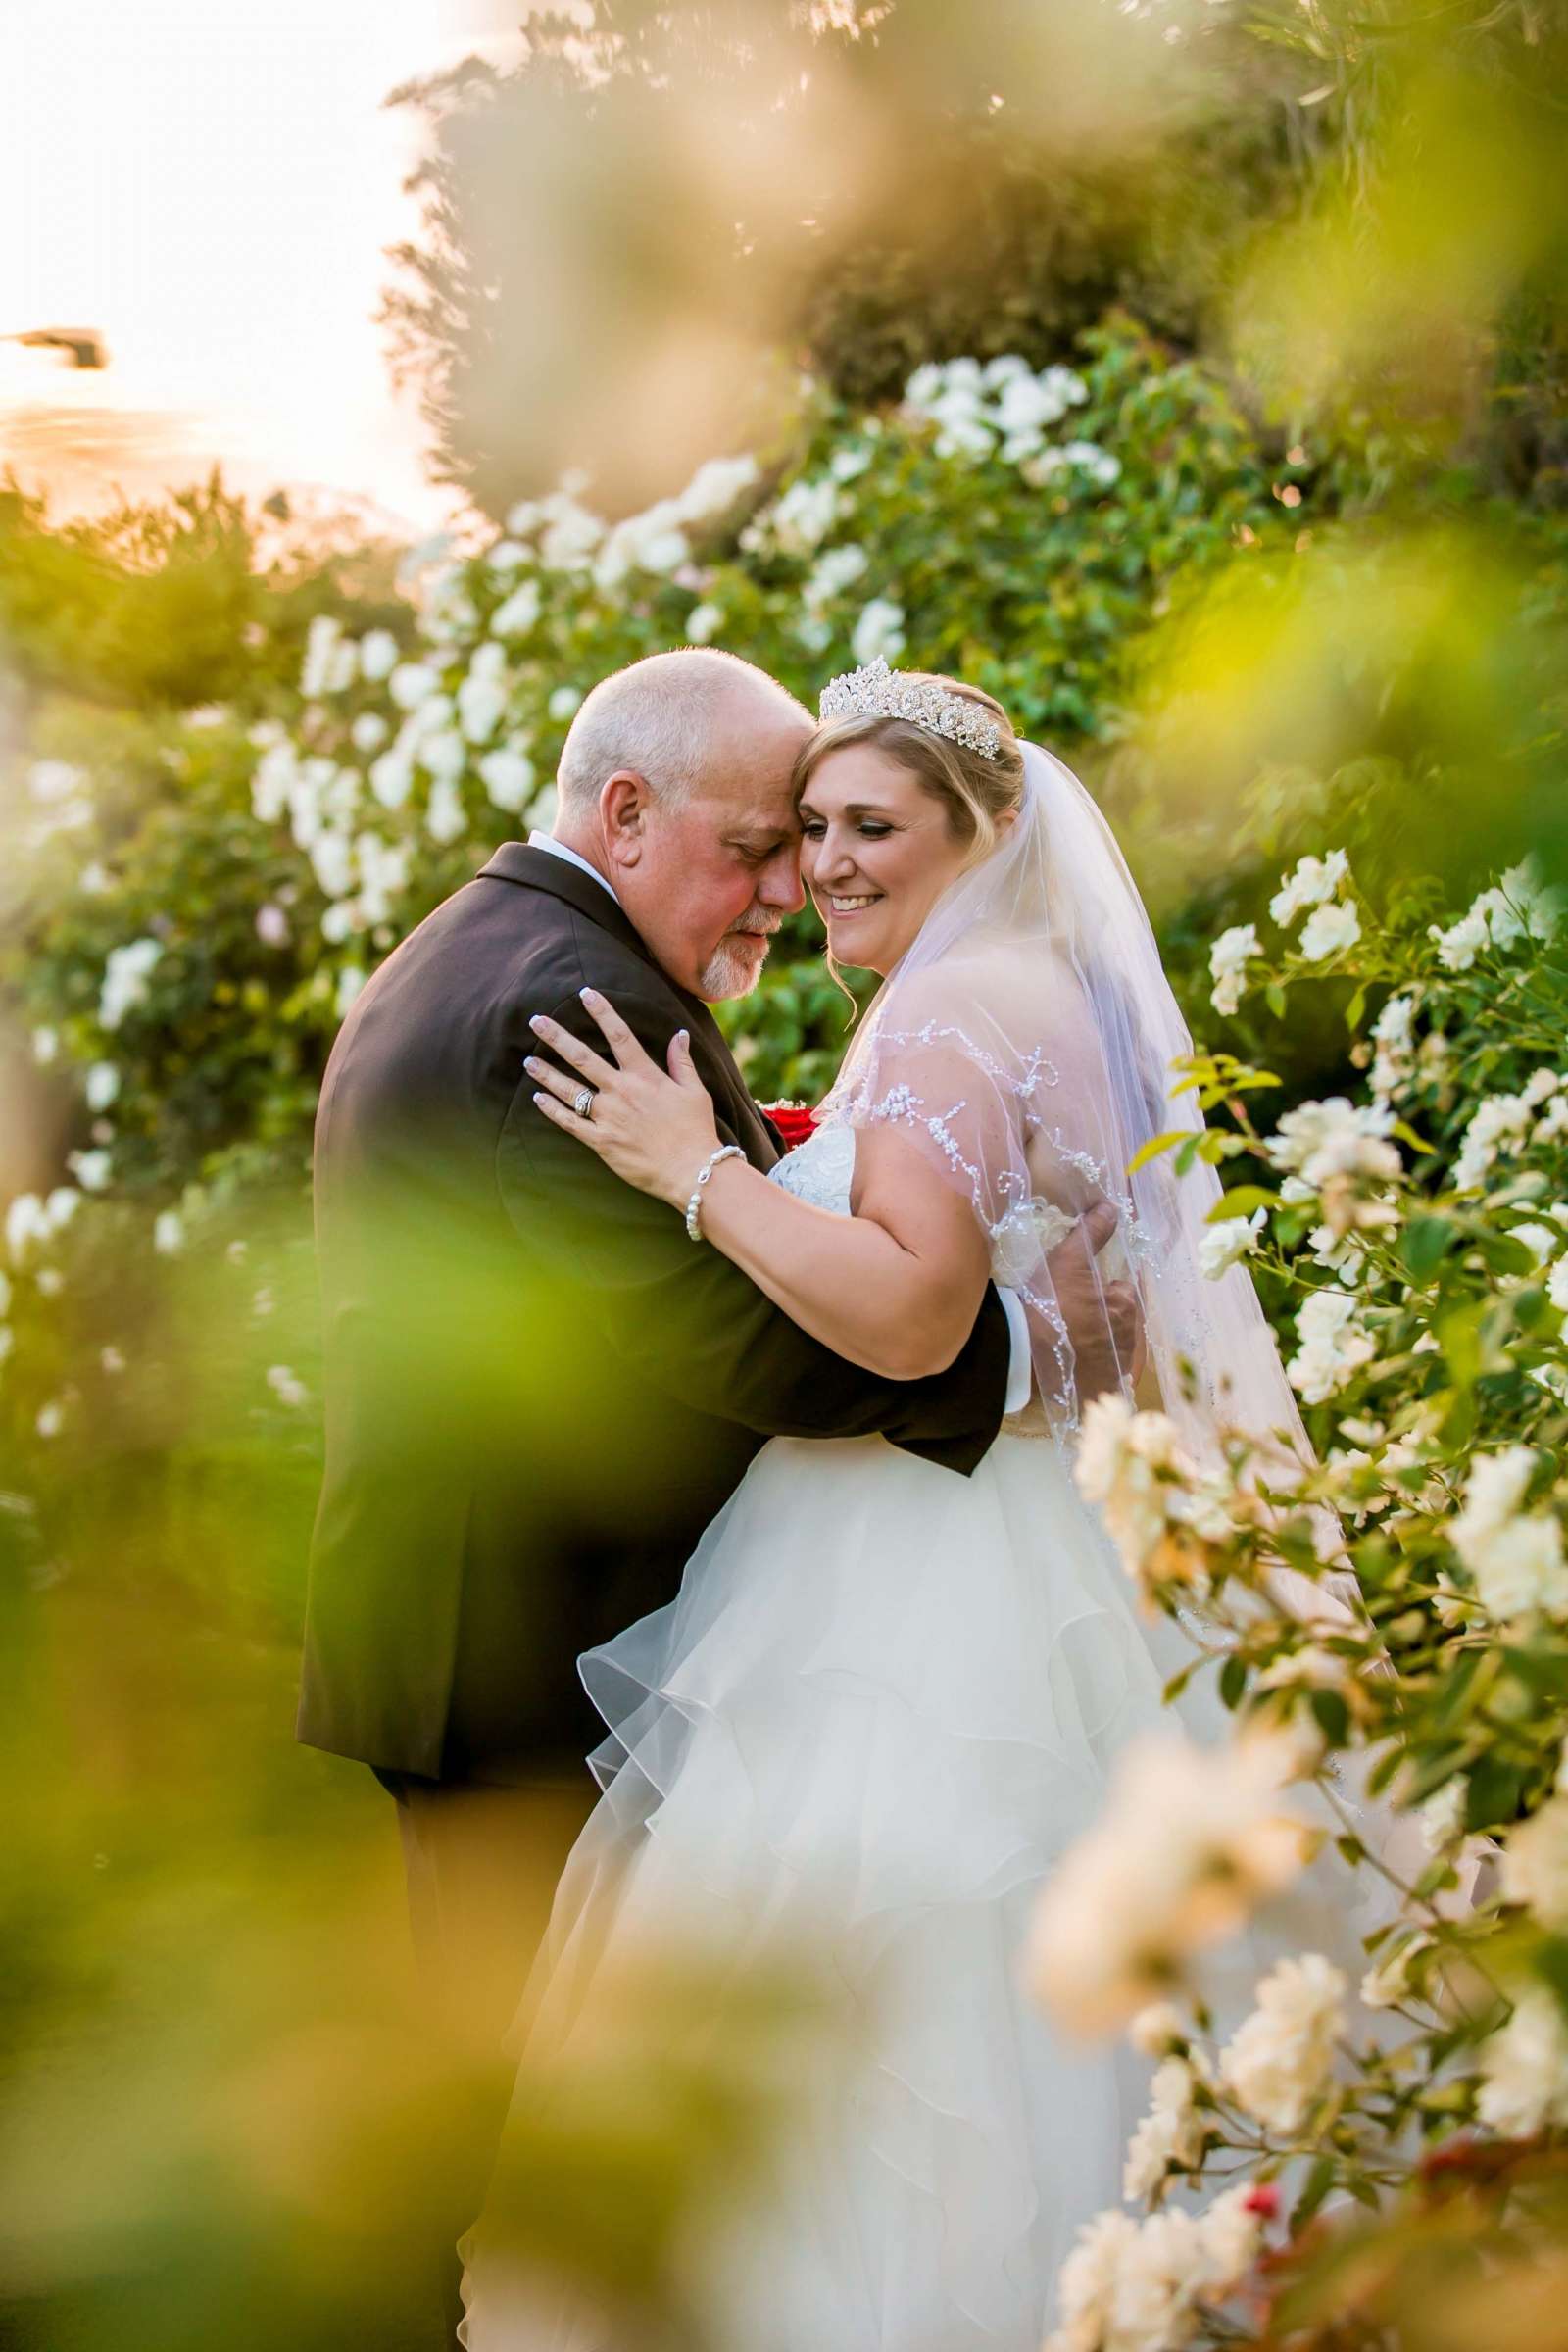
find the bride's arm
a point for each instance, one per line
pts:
(894, 1288)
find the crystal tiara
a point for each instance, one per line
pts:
(877, 692)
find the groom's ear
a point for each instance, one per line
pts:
(624, 803)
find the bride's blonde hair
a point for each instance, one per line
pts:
(976, 791)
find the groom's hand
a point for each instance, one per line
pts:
(1104, 1319)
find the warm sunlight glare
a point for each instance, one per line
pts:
(213, 188)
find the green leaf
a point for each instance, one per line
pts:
(1492, 1795)
(1319, 2180)
(1549, 1961)
(1459, 1337)
(1426, 1242)
(1407, 1135)
(1454, 1693)
(1239, 1201)
(1155, 1145)
(1274, 999)
(1356, 1008)
(1333, 1716)
(1531, 1307)
(1428, 1777)
(1232, 1682)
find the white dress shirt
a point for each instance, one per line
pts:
(1020, 1365)
(559, 849)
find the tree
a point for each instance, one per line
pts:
(629, 240)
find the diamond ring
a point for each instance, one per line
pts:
(583, 1103)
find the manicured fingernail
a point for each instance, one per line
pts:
(542, 1101)
(532, 1067)
(589, 996)
(540, 1024)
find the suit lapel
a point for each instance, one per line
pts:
(538, 870)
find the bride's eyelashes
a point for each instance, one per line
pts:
(813, 829)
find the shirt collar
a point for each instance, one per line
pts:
(559, 849)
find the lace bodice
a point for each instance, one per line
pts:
(821, 1170)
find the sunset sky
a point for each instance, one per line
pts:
(211, 182)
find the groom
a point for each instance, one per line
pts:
(538, 1391)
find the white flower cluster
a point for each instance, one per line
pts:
(1003, 407)
(1171, 2134)
(357, 869)
(1535, 1863)
(1226, 1240)
(1516, 908)
(562, 535)
(33, 1221)
(807, 509)
(62, 795)
(1311, 882)
(1514, 1557)
(455, 710)
(836, 568)
(1228, 959)
(1189, 1843)
(1138, 2287)
(802, 518)
(1371, 1449)
(1159, 1511)
(658, 540)
(1332, 1346)
(1502, 1126)
(1333, 923)
(1337, 1152)
(124, 982)
(1279, 2062)
(1524, 2068)
(879, 631)
(1394, 1060)
(331, 660)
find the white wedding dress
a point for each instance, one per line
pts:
(885, 1701)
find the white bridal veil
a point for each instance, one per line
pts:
(1025, 1041)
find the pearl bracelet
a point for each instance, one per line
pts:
(693, 1206)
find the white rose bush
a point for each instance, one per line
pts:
(1412, 1242)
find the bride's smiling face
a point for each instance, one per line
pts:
(877, 851)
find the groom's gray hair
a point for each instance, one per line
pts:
(664, 718)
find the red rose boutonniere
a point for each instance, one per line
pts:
(794, 1121)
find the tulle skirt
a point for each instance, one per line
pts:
(884, 1703)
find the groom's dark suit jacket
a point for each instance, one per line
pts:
(538, 1391)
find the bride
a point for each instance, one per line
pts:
(887, 1698)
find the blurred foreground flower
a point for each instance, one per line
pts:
(1189, 1844)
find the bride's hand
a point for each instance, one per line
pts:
(655, 1128)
